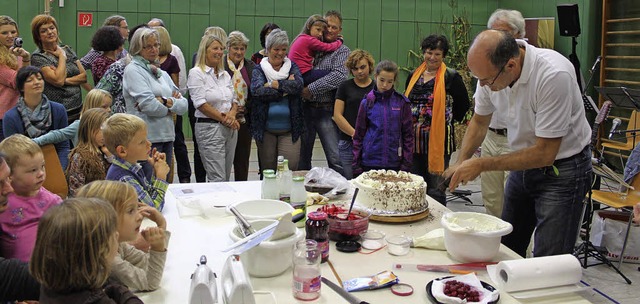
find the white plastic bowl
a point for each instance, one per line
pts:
(262, 209)
(269, 258)
(473, 237)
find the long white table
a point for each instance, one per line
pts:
(195, 236)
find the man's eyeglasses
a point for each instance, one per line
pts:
(494, 78)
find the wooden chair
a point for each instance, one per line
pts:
(56, 181)
(631, 139)
(621, 201)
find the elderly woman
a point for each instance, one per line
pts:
(276, 107)
(149, 92)
(63, 72)
(438, 97)
(109, 42)
(216, 104)
(348, 97)
(12, 58)
(35, 114)
(240, 70)
(168, 62)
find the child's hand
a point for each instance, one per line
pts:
(152, 214)
(155, 237)
(150, 159)
(160, 168)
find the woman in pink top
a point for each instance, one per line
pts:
(12, 58)
(304, 48)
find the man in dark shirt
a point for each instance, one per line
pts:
(15, 281)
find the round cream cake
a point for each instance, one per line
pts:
(387, 192)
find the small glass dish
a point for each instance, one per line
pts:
(372, 239)
(398, 244)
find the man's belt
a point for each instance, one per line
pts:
(502, 132)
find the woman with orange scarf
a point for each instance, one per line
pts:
(438, 97)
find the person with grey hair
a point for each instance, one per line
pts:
(548, 132)
(149, 92)
(240, 70)
(277, 120)
(495, 143)
(216, 103)
(114, 20)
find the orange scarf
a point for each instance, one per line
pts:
(438, 125)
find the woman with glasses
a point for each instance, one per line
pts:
(438, 97)
(149, 92)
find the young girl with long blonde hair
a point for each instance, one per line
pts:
(75, 247)
(88, 161)
(135, 268)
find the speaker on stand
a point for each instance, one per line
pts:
(569, 23)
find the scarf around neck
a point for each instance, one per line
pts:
(438, 125)
(272, 74)
(239, 85)
(152, 67)
(38, 121)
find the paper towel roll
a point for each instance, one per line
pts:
(542, 272)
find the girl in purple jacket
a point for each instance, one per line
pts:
(383, 138)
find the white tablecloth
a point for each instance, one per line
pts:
(194, 236)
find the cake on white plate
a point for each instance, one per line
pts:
(391, 193)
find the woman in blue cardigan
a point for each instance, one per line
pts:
(35, 114)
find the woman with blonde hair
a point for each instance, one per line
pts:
(96, 98)
(62, 70)
(168, 62)
(89, 160)
(76, 244)
(216, 104)
(12, 58)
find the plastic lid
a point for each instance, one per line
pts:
(270, 175)
(317, 216)
(402, 289)
(348, 246)
(298, 178)
(268, 171)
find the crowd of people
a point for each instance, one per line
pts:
(118, 145)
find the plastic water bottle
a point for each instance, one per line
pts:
(286, 178)
(306, 271)
(299, 198)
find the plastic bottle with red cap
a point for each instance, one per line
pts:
(317, 228)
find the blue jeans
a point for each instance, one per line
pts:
(320, 120)
(345, 148)
(552, 205)
(166, 148)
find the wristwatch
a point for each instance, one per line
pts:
(164, 101)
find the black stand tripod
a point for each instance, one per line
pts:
(587, 250)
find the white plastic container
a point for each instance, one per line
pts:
(472, 236)
(270, 258)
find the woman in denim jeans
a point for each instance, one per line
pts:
(348, 97)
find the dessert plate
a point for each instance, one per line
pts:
(431, 298)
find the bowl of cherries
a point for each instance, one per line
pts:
(343, 227)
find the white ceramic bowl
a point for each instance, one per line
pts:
(473, 237)
(262, 209)
(270, 258)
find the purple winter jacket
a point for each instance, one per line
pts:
(383, 126)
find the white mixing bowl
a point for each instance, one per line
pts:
(270, 258)
(262, 209)
(473, 237)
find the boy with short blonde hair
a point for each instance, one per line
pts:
(28, 202)
(125, 136)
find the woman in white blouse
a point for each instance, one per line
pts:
(216, 127)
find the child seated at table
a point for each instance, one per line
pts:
(28, 202)
(77, 242)
(125, 136)
(383, 137)
(133, 267)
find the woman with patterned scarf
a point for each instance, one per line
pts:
(438, 97)
(240, 70)
(149, 92)
(35, 114)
